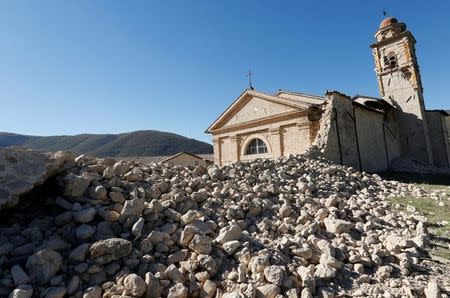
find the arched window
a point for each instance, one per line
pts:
(256, 146)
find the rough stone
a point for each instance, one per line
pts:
(178, 291)
(75, 186)
(19, 276)
(268, 291)
(85, 215)
(105, 251)
(43, 265)
(201, 244)
(337, 226)
(21, 170)
(134, 285)
(229, 233)
(93, 292)
(274, 274)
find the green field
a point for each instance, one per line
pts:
(438, 214)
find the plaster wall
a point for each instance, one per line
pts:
(256, 108)
(281, 138)
(295, 139)
(228, 150)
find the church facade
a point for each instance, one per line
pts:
(365, 132)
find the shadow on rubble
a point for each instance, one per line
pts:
(433, 179)
(39, 202)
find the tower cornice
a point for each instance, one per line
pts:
(389, 40)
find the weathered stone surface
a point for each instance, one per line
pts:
(75, 185)
(208, 289)
(132, 208)
(154, 287)
(85, 215)
(116, 197)
(201, 244)
(229, 233)
(80, 253)
(105, 251)
(22, 291)
(43, 265)
(19, 276)
(178, 291)
(274, 274)
(231, 246)
(337, 226)
(93, 292)
(73, 284)
(21, 170)
(432, 290)
(84, 232)
(136, 174)
(177, 256)
(98, 192)
(268, 291)
(56, 292)
(120, 168)
(134, 285)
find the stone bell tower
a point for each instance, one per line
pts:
(399, 83)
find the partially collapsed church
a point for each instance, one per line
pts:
(364, 132)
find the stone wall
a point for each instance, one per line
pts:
(447, 125)
(438, 138)
(371, 140)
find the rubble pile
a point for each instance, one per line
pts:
(293, 227)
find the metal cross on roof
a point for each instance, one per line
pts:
(249, 75)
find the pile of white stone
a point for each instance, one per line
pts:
(293, 227)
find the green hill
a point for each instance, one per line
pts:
(136, 143)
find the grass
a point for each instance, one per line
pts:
(438, 215)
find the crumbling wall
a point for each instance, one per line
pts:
(355, 136)
(336, 137)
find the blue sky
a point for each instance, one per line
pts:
(69, 67)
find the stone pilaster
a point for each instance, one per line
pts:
(235, 141)
(217, 152)
(276, 142)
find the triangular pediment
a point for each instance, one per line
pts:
(251, 106)
(307, 99)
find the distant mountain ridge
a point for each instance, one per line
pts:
(136, 143)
